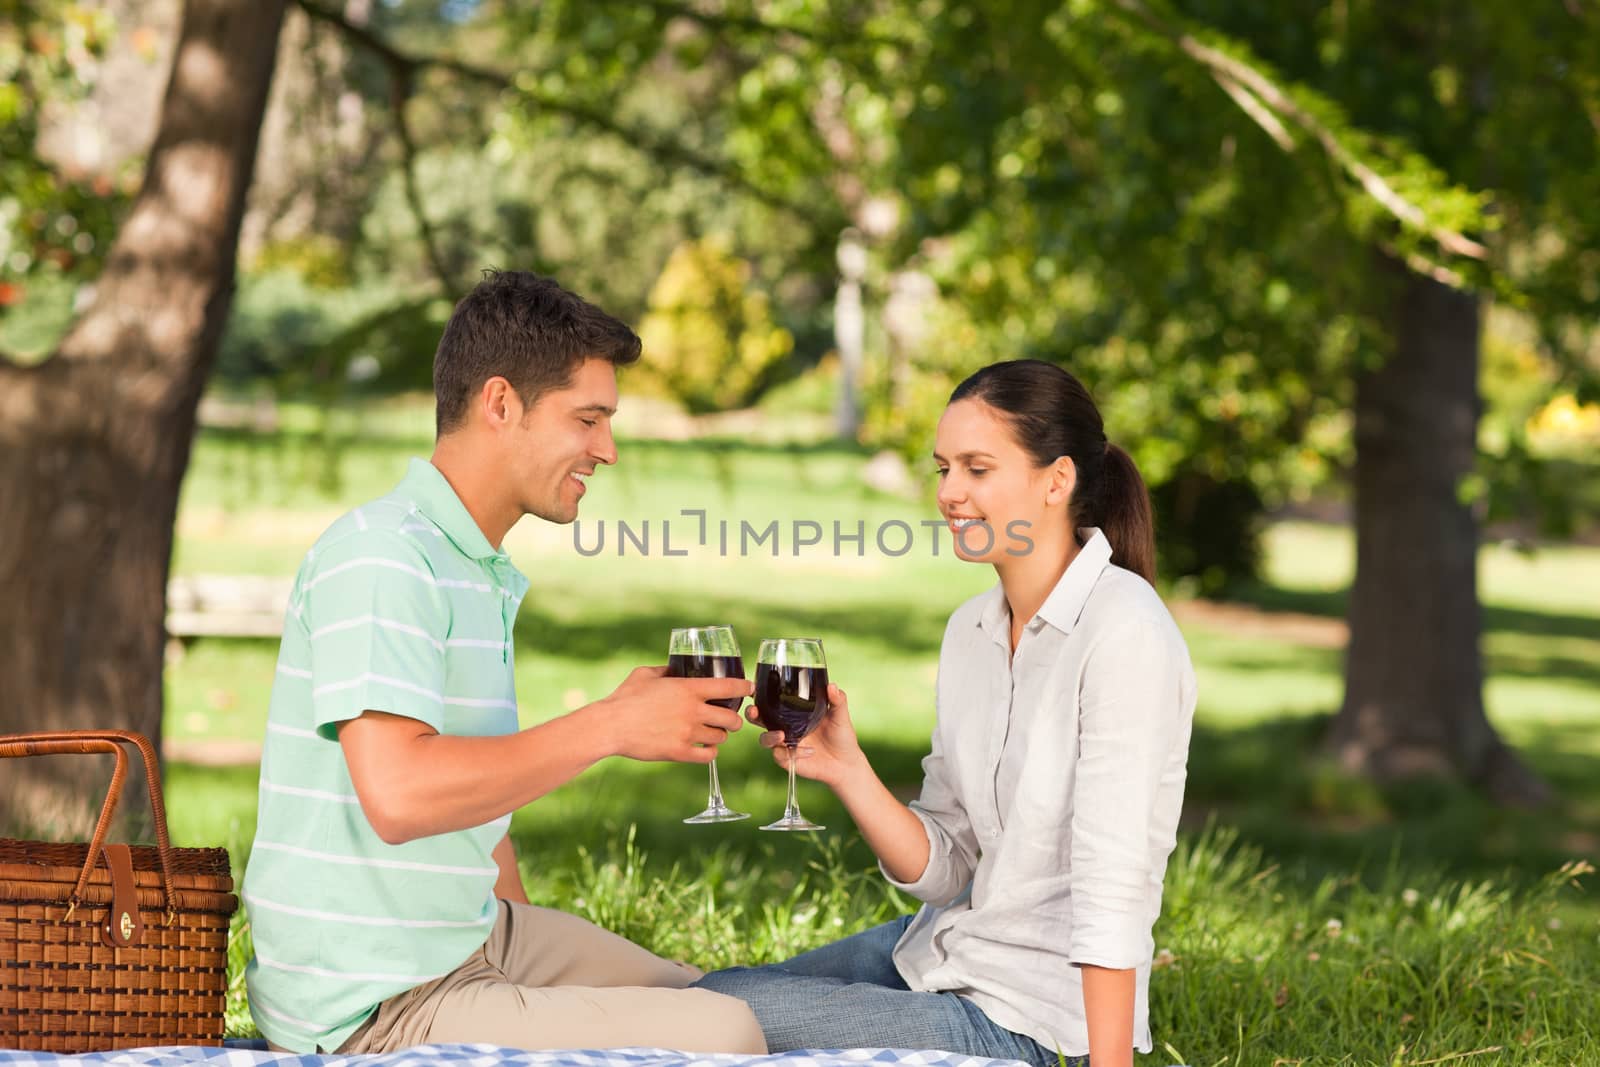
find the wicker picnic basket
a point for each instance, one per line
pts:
(106, 946)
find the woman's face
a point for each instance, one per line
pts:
(997, 504)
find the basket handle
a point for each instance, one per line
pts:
(74, 742)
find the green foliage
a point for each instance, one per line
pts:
(812, 392)
(1087, 191)
(50, 222)
(709, 339)
(606, 149)
(310, 342)
(1402, 968)
(321, 261)
(31, 327)
(1531, 442)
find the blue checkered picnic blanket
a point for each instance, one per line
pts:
(494, 1056)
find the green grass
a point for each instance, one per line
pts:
(1403, 968)
(1252, 965)
(1247, 906)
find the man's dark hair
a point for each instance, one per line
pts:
(529, 331)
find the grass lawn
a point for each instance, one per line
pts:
(1308, 917)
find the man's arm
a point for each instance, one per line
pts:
(509, 885)
(416, 782)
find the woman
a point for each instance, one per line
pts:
(1050, 800)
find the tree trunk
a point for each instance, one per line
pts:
(1413, 701)
(94, 440)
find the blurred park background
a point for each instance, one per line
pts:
(1330, 267)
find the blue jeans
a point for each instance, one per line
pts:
(849, 995)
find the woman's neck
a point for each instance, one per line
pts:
(1027, 580)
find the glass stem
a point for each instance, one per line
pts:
(716, 787)
(791, 811)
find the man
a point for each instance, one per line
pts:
(383, 892)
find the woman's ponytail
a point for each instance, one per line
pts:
(1125, 516)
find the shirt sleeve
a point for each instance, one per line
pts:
(377, 623)
(952, 844)
(1130, 712)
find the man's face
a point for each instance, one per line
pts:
(561, 439)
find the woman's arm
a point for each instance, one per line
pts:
(895, 834)
(832, 755)
(1130, 717)
(932, 852)
(1108, 1009)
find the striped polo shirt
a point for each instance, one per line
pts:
(402, 606)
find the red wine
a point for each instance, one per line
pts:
(791, 699)
(706, 666)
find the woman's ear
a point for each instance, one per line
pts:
(1063, 480)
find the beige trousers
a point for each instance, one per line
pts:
(546, 979)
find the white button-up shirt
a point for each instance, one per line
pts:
(1051, 799)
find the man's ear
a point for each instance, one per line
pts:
(1063, 480)
(499, 404)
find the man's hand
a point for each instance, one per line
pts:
(653, 717)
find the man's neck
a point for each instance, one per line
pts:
(475, 484)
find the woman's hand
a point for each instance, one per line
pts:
(829, 754)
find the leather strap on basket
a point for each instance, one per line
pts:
(123, 923)
(75, 742)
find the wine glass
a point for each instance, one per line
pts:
(792, 696)
(708, 652)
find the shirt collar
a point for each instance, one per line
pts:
(1065, 602)
(996, 614)
(434, 497)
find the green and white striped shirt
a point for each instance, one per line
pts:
(402, 606)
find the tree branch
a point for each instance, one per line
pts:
(724, 22)
(659, 146)
(400, 85)
(402, 79)
(1424, 266)
(1250, 105)
(1266, 92)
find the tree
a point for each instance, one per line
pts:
(94, 439)
(1242, 221)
